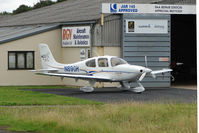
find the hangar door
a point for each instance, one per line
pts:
(183, 49)
(147, 35)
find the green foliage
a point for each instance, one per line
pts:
(22, 8)
(61, 0)
(43, 4)
(10, 96)
(5, 13)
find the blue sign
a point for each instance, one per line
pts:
(113, 8)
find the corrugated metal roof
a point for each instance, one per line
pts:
(16, 32)
(71, 10)
(50, 17)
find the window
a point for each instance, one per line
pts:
(103, 62)
(91, 63)
(20, 60)
(117, 61)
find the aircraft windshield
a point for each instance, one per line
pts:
(91, 63)
(117, 61)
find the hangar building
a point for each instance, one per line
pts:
(20, 35)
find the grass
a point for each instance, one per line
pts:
(108, 118)
(84, 116)
(13, 95)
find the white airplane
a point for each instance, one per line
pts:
(97, 69)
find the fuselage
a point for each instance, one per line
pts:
(112, 67)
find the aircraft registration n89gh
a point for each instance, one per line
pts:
(97, 69)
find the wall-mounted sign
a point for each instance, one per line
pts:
(147, 8)
(147, 26)
(164, 59)
(76, 36)
(85, 53)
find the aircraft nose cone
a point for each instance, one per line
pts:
(147, 70)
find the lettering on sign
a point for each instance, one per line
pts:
(147, 26)
(76, 36)
(148, 8)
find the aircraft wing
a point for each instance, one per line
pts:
(161, 71)
(86, 77)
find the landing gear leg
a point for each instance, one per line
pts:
(124, 86)
(88, 88)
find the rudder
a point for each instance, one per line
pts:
(47, 58)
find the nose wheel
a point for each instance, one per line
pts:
(126, 86)
(138, 89)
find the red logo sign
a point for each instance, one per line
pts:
(66, 34)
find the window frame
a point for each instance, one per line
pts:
(105, 59)
(25, 60)
(89, 61)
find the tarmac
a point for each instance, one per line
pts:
(112, 95)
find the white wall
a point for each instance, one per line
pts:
(62, 55)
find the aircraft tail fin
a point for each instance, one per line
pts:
(47, 58)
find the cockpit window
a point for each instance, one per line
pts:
(91, 63)
(103, 62)
(117, 61)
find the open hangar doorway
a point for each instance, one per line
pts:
(183, 49)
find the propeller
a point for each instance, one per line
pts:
(145, 58)
(153, 75)
(142, 76)
(146, 71)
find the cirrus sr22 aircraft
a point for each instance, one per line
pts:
(97, 69)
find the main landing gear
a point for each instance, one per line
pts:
(89, 88)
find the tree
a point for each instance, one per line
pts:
(5, 13)
(22, 8)
(60, 0)
(43, 4)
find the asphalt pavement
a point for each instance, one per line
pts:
(107, 95)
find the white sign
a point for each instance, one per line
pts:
(147, 8)
(85, 53)
(82, 54)
(76, 36)
(147, 26)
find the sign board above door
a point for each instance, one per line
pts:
(120, 8)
